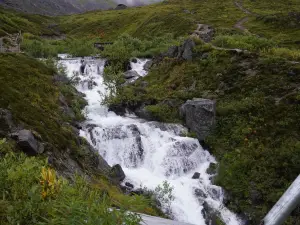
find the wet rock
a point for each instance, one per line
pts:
(196, 175)
(199, 193)
(148, 65)
(138, 191)
(210, 215)
(143, 113)
(134, 60)
(130, 74)
(127, 184)
(119, 109)
(117, 173)
(212, 169)
(28, 143)
(199, 115)
(6, 122)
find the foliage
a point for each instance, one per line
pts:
(164, 194)
(163, 112)
(247, 42)
(23, 201)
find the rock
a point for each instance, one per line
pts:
(187, 47)
(138, 191)
(61, 79)
(199, 115)
(68, 112)
(130, 74)
(148, 65)
(117, 173)
(27, 142)
(6, 122)
(204, 32)
(127, 184)
(212, 169)
(199, 193)
(119, 109)
(172, 52)
(134, 60)
(210, 215)
(126, 65)
(196, 175)
(143, 113)
(120, 7)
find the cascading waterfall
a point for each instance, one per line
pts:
(149, 152)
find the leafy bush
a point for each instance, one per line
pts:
(247, 42)
(290, 54)
(32, 194)
(164, 194)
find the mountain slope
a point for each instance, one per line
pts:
(60, 7)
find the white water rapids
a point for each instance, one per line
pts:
(149, 152)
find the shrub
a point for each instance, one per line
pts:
(247, 42)
(290, 54)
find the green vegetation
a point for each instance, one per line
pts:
(33, 194)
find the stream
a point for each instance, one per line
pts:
(149, 152)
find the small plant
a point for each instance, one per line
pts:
(49, 182)
(164, 194)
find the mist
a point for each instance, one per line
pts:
(136, 2)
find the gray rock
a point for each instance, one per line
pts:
(6, 122)
(143, 113)
(148, 65)
(172, 52)
(130, 74)
(187, 49)
(127, 184)
(27, 142)
(61, 79)
(134, 60)
(199, 115)
(196, 175)
(199, 193)
(210, 215)
(117, 173)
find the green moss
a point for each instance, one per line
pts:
(164, 113)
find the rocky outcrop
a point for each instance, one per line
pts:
(204, 32)
(210, 215)
(117, 173)
(199, 115)
(28, 143)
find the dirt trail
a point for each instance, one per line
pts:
(240, 24)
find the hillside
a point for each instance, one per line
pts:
(248, 61)
(61, 7)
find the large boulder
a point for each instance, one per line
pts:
(28, 143)
(6, 122)
(199, 115)
(185, 51)
(117, 173)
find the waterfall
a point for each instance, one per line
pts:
(149, 152)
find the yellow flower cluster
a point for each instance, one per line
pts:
(50, 184)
